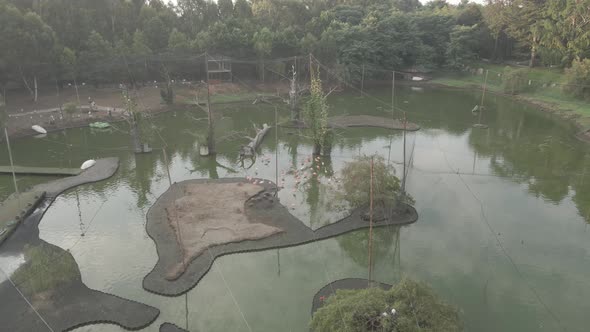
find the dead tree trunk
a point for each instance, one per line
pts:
(36, 88)
(250, 149)
(135, 139)
(26, 83)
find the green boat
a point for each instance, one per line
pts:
(99, 125)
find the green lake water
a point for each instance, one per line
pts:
(502, 233)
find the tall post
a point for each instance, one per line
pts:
(392, 95)
(11, 162)
(210, 126)
(404, 177)
(276, 153)
(310, 63)
(371, 224)
(363, 81)
(483, 95)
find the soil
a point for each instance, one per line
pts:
(262, 208)
(211, 214)
(23, 112)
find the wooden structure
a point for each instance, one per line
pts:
(27, 170)
(219, 69)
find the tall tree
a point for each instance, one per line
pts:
(96, 59)
(226, 9)
(263, 46)
(27, 43)
(567, 27)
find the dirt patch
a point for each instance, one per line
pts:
(370, 121)
(263, 208)
(211, 214)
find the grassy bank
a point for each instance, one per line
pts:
(544, 88)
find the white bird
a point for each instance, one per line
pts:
(87, 164)
(39, 129)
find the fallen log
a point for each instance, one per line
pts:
(249, 150)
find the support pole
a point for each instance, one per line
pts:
(11, 162)
(392, 95)
(404, 177)
(276, 152)
(363, 81)
(210, 126)
(371, 225)
(483, 95)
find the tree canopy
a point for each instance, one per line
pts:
(379, 34)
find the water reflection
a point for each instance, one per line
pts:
(531, 174)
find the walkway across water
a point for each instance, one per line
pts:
(39, 170)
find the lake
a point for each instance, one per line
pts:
(503, 221)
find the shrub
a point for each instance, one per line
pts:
(70, 108)
(417, 308)
(578, 79)
(355, 185)
(167, 95)
(515, 81)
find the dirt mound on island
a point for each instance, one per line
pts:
(210, 214)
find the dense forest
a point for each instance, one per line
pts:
(103, 41)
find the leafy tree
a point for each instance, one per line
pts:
(263, 46)
(140, 51)
(470, 15)
(69, 63)
(156, 33)
(315, 113)
(96, 59)
(263, 42)
(462, 45)
(417, 308)
(407, 5)
(567, 28)
(309, 43)
(178, 42)
(242, 9)
(226, 9)
(578, 79)
(27, 42)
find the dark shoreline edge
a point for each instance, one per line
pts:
(170, 327)
(75, 305)
(296, 233)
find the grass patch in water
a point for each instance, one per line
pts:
(46, 268)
